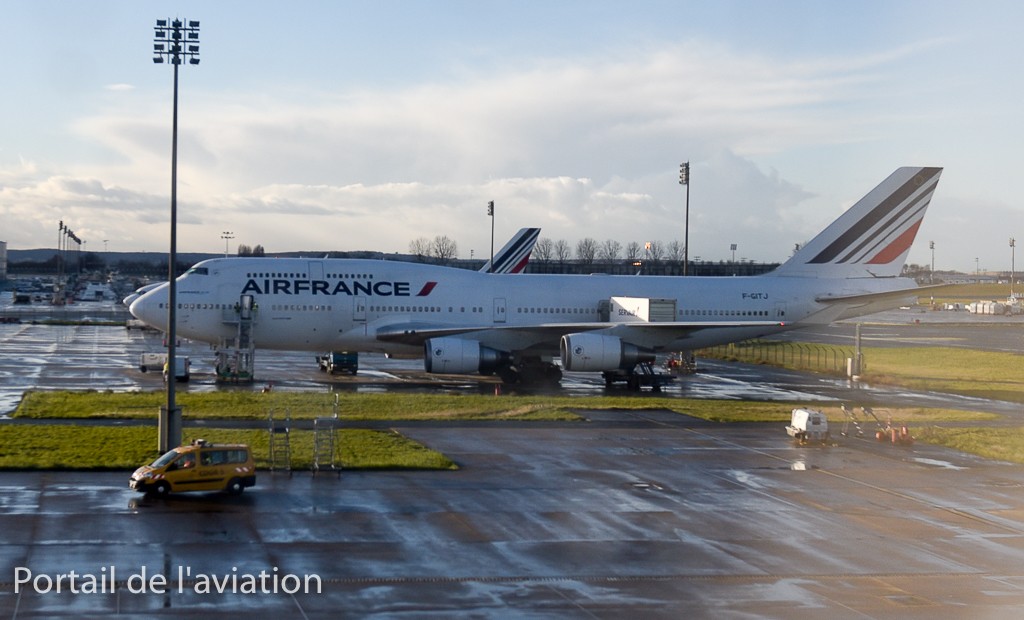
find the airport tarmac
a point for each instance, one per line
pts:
(36, 356)
(630, 513)
(647, 514)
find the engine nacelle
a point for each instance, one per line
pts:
(593, 352)
(460, 356)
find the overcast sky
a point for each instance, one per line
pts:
(337, 125)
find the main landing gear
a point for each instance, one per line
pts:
(531, 371)
(642, 374)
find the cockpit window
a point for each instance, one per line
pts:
(199, 271)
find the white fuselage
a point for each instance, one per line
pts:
(345, 304)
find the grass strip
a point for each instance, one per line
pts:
(400, 406)
(980, 374)
(299, 405)
(965, 292)
(64, 446)
(1004, 444)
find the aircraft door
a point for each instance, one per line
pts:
(359, 308)
(246, 304)
(780, 311)
(316, 270)
(499, 310)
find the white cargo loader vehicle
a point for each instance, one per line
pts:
(152, 361)
(808, 425)
(158, 362)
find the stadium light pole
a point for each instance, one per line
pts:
(175, 41)
(684, 179)
(227, 236)
(1013, 251)
(931, 274)
(490, 212)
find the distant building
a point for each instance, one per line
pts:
(3, 260)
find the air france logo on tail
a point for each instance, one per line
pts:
(888, 230)
(873, 237)
(516, 254)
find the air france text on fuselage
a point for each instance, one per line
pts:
(383, 288)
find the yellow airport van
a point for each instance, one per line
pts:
(199, 466)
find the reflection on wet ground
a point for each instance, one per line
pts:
(648, 514)
(82, 357)
(644, 513)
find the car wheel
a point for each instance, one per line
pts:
(235, 487)
(162, 489)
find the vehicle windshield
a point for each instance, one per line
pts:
(165, 459)
(202, 271)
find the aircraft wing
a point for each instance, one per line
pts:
(874, 297)
(546, 335)
(840, 307)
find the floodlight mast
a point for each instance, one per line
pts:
(684, 179)
(174, 41)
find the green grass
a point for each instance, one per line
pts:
(300, 405)
(966, 292)
(1005, 444)
(61, 446)
(398, 406)
(75, 447)
(983, 374)
(69, 446)
(916, 416)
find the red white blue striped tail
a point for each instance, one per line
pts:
(873, 237)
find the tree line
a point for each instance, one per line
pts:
(587, 251)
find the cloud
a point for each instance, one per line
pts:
(87, 206)
(582, 148)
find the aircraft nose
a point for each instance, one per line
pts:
(150, 308)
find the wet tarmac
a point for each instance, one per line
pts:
(40, 356)
(648, 514)
(645, 513)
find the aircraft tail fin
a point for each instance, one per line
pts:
(873, 237)
(513, 257)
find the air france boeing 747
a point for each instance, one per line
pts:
(468, 322)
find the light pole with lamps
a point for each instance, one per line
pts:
(1013, 251)
(175, 41)
(490, 212)
(931, 274)
(227, 235)
(684, 179)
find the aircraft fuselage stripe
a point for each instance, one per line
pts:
(897, 247)
(895, 223)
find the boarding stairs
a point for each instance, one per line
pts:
(236, 356)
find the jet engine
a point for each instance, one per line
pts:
(593, 352)
(461, 356)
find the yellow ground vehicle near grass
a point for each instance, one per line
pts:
(199, 466)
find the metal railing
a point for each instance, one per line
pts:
(798, 355)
